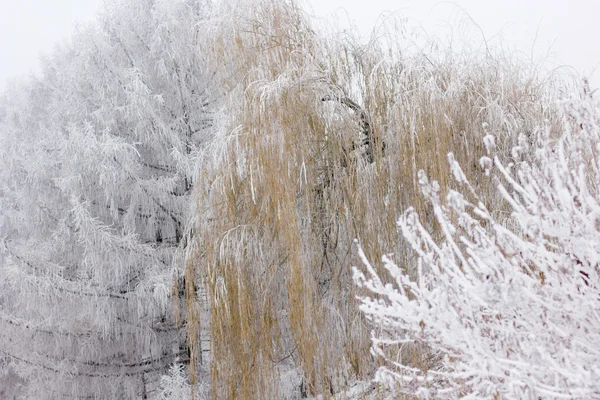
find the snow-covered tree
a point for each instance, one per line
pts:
(98, 159)
(301, 170)
(503, 307)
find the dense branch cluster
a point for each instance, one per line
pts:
(506, 310)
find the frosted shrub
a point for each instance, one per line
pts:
(176, 385)
(504, 309)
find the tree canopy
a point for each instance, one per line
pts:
(99, 158)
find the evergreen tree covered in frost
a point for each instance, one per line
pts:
(98, 158)
(504, 310)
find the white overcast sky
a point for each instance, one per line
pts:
(568, 30)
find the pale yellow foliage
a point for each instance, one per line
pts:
(286, 192)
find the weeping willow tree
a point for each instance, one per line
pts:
(321, 145)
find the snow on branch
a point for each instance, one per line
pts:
(503, 310)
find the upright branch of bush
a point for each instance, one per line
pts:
(504, 310)
(98, 159)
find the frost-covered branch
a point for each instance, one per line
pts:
(506, 309)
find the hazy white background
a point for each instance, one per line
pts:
(31, 27)
(563, 32)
